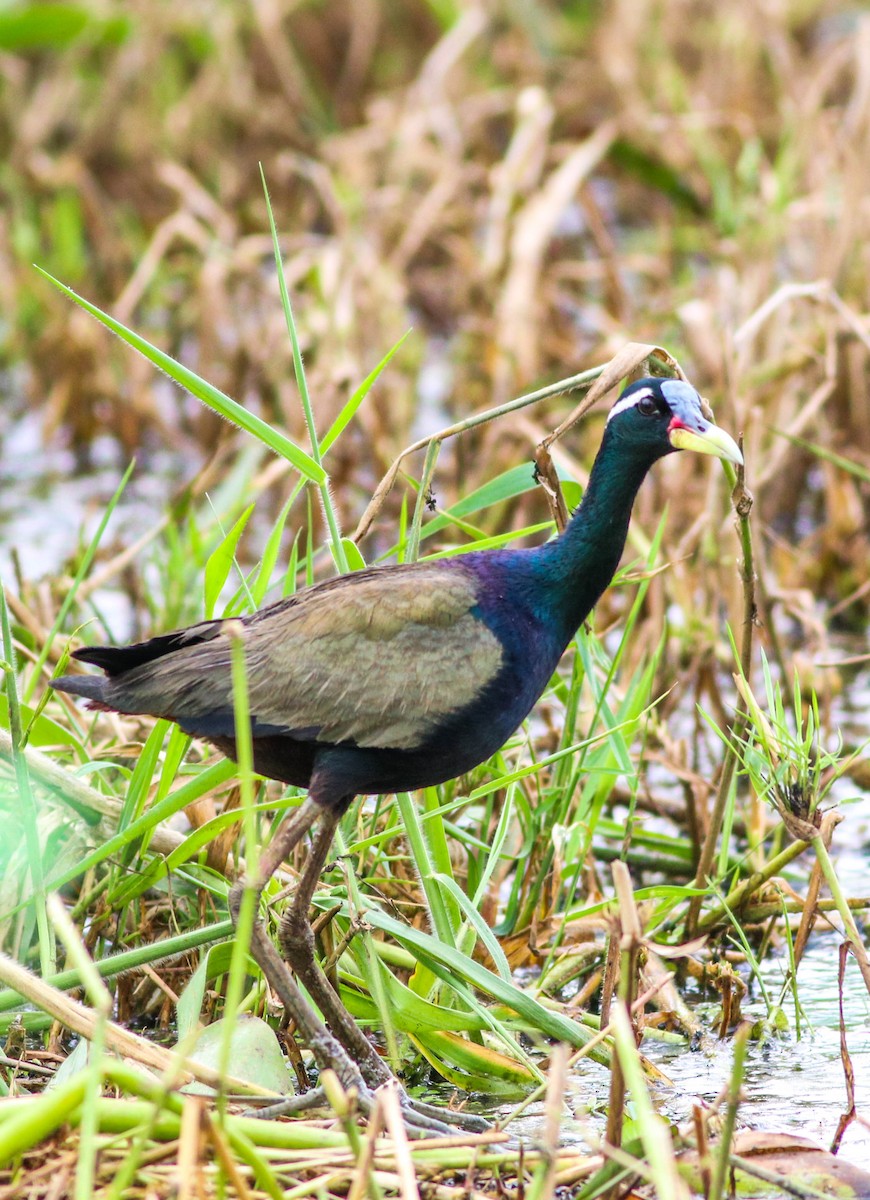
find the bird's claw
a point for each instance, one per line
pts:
(290, 1106)
(420, 1119)
(451, 1118)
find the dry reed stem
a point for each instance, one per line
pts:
(742, 501)
(631, 360)
(83, 1020)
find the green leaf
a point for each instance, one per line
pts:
(349, 410)
(192, 789)
(254, 1054)
(572, 493)
(41, 730)
(214, 963)
(479, 1060)
(201, 389)
(460, 967)
(354, 560)
(655, 172)
(483, 543)
(41, 26)
(483, 931)
(511, 483)
(263, 577)
(220, 562)
(836, 460)
(411, 1013)
(37, 1121)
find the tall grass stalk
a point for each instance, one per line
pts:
(101, 1001)
(47, 958)
(742, 501)
(722, 1151)
(654, 1133)
(82, 570)
(336, 544)
(247, 914)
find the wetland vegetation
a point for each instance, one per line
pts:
(622, 936)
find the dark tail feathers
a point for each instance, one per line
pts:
(92, 687)
(117, 660)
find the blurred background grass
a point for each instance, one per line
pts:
(528, 186)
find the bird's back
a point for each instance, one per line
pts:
(424, 669)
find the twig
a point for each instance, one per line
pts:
(635, 352)
(741, 498)
(632, 360)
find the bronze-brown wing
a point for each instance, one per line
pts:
(380, 668)
(378, 658)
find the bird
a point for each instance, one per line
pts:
(394, 678)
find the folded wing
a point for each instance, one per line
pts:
(378, 658)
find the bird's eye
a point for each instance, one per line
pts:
(647, 406)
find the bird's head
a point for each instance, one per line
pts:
(657, 416)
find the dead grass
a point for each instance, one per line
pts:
(527, 196)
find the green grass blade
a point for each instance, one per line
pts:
(348, 412)
(25, 793)
(466, 969)
(516, 481)
(220, 562)
(476, 921)
(189, 791)
(83, 568)
(211, 396)
(337, 542)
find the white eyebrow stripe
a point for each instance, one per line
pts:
(628, 402)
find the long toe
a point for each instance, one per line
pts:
(290, 1106)
(451, 1118)
(420, 1119)
(421, 1122)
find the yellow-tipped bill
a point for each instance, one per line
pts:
(704, 439)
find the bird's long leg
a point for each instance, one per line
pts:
(328, 1052)
(327, 1049)
(297, 943)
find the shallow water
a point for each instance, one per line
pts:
(791, 1085)
(49, 510)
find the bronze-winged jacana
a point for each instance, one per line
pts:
(395, 678)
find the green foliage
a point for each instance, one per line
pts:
(220, 562)
(276, 441)
(780, 752)
(26, 28)
(715, 197)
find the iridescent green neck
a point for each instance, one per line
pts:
(580, 563)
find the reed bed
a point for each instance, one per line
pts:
(535, 198)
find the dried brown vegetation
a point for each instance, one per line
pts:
(530, 188)
(528, 193)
